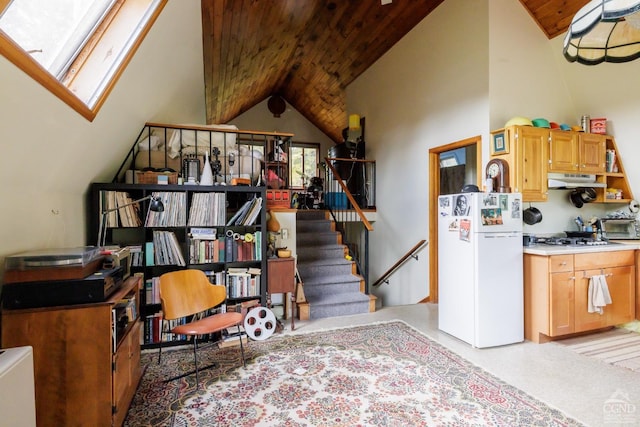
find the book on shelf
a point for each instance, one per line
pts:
(247, 213)
(167, 248)
(203, 233)
(174, 213)
(136, 255)
(152, 290)
(207, 209)
(121, 211)
(149, 254)
(611, 161)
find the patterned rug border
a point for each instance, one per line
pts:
(185, 388)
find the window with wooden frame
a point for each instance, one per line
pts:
(76, 49)
(303, 163)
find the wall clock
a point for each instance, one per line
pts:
(498, 171)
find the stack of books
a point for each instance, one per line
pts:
(231, 337)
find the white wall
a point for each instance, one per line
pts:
(50, 154)
(428, 90)
(291, 121)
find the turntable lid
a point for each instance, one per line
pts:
(52, 257)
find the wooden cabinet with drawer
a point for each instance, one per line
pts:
(556, 292)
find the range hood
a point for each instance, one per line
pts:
(568, 180)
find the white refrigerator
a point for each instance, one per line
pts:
(480, 284)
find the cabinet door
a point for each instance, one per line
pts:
(126, 374)
(563, 151)
(592, 153)
(621, 282)
(531, 173)
(561, 304)
(586, 321)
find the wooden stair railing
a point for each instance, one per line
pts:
(411, 254)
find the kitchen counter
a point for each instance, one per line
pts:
(617, 245)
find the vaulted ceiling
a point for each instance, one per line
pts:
(309, 51)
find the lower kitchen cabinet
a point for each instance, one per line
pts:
(556, 292)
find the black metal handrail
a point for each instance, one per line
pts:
(349, 185)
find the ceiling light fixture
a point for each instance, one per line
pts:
(604, 31)
(276, 105)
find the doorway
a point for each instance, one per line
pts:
(450, 167)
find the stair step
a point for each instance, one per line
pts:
(310, 253)
(306, 239)
(334, 278)
(330, 307)
(311, 214)
(314, 226)
(323, 290)
(324, 268)
(339, 299)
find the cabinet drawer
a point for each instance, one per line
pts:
(604, 260)
(560, 263)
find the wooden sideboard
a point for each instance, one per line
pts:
(79, 379)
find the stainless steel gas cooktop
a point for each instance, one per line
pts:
(572, 241)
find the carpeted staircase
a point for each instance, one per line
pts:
(331, 285)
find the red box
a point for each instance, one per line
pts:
(278, 199)
(599, 126)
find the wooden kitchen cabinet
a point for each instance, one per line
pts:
(576, 152)
(563, 151)
(533, 152)
(592, 153)
(556, 292)
(561, 304)
(80, 379)
(527, 158)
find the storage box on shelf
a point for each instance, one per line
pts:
(218, 229)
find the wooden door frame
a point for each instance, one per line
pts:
(434, 192)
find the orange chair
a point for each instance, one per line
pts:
(188, 293)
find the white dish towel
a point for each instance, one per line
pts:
(598, 294)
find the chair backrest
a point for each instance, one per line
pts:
(186, 292)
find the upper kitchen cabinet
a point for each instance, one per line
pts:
(576, 152)
(525, 149)
(533, 152)
(592, 153)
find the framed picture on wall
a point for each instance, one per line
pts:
(499, 145)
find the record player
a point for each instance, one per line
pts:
(52, 277)
(52, 264)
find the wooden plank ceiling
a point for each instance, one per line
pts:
(309, 51)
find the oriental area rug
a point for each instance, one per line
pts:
(382, 374)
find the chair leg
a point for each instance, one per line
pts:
(195, 359)
(160, 346)
(244, 362)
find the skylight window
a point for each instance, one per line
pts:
(75, 48)
(53, 32)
